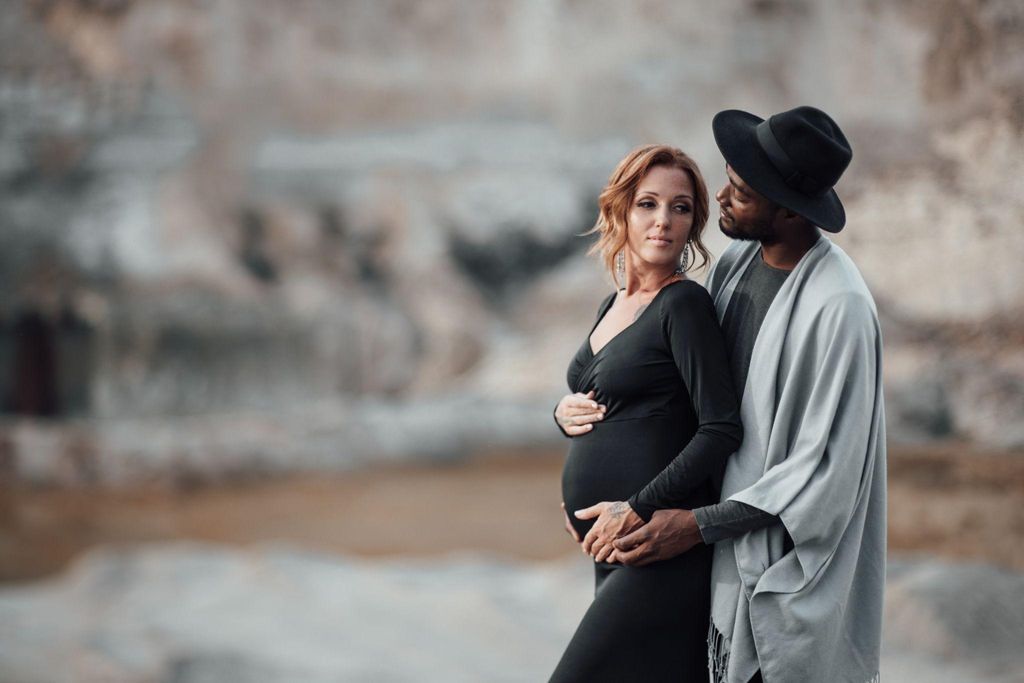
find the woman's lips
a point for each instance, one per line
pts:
(659, 242)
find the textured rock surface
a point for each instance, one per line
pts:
(329, 436)
(194, 613)
(232, 207)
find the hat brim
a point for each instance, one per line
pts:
(737, 140)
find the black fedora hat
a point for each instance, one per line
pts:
(794, 158)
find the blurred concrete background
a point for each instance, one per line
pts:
(309, 272)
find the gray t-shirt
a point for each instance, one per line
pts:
(748, 306)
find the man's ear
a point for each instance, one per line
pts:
(788, 216)
(780, 216)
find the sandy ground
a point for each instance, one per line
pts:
(950, 501)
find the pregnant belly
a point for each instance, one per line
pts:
(616, 460)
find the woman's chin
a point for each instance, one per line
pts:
(663, 261)
(658, 258)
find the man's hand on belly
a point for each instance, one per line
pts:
(668, 534)
(614, 519)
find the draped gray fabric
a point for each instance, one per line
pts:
(813, 454)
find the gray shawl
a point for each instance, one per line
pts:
(813, 453)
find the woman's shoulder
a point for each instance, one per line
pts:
(684, 292)
(686, 299)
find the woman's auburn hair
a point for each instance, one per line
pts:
(617, 196)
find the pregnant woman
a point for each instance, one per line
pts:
(653, 418)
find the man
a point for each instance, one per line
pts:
(799, 562)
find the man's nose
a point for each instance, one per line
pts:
(722, 196)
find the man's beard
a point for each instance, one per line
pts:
(761, 231)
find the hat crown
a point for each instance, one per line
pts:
(793, 159)
(814, 144)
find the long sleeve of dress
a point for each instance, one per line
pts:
(691, 331)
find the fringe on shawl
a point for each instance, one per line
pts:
(718, 658)
(718, 655)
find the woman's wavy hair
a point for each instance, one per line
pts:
(617, 197)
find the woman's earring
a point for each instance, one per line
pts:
(684, 262)
(620, 264)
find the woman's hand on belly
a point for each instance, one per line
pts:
(577, 412)
(614, 520)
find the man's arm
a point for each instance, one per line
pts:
(729, 519)
(668, 534)
(672, 532)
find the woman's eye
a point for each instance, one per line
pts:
(682, 208)
(645, 204)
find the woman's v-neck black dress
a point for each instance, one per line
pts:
(672, 420)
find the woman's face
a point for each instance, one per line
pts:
(660, 217)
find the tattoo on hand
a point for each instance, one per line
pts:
(618, 509)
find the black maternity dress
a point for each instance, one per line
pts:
(672, 420)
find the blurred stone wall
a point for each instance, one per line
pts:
(340, 217)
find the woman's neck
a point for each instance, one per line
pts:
(648, 281)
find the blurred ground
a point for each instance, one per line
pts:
(190, 612)
(950, 501)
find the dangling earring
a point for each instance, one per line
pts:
(620, 264)
(684, 262)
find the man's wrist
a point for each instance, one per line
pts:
(683, 526)
(691, 525)
(700, 519)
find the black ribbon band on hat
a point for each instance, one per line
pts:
(783, 164)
